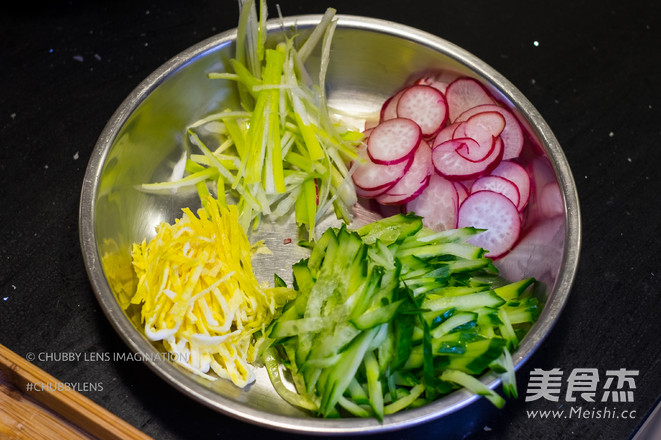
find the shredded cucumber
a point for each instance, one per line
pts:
(382, 323)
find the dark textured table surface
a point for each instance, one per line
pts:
(591, 68)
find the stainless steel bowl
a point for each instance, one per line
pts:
(369, 61)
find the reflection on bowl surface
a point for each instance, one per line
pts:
(370, 59)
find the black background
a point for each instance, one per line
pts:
(594, 76)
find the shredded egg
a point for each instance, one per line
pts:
(199, 295)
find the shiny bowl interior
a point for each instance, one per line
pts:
(370, 60)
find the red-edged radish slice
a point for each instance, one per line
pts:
(464, 93)
(424, 105)
(437, 204)
(518, 175)
(414, 181)
(512, 134)
(398, 198)
(497, 184)
(482, 127)
(439, 80)
(462, 192)
(393, 141)
(495, 213)
(370, 176)
(370, 193)
(454, 166)
(389, 108)
(445, 134)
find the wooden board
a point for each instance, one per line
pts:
(51, 412)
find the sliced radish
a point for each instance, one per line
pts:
(414, 180)
(438, 80)
(518, 175)
(512, 134)
(464, 93)
(472, 141)
(495, 213)
(445, 134)
(389, 108)
(462, 192)
(370, 193)
(449, 163)
(437, 204)
(482, 127)
(393, 141)
(497, 184)
(371, 176)
(424, 105)
(399, 198)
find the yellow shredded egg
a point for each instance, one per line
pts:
(199, 294)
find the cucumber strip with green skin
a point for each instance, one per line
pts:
(478, 356)
(403, 329)
(428, 376)
(320, 250)
(289, 312)
(504, 366)
(412, 265)
(426, 288)
(390, 383)
(436, 318)
(379, 337)
(334, 340)
(452, 343)
(454, 322)
(468, 301)
(278, 281)
(374, 389)
(357, 392)
(507, 331)
(322, 362)
(312, 377)
(405, 378)
(404, 402)
(462, 250)
(426, 272)
(293, 327)
(377, 317)
(373, 280)
(391, 229)
(357, 272)
(455, 292)
(273, 369)
(522, 314)
(303, 283)
(514, 290)
(449, 235)
(386, 353)
(341, 374)
(469, 265)
(381, 255)
(473, 384)
(353, 407)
